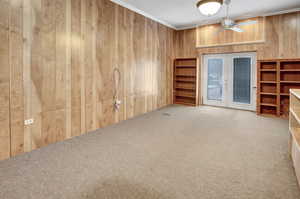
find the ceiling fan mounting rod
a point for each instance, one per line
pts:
(227, 2)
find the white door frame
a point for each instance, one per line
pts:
(204, 81)
(237, 105)
(227, 98)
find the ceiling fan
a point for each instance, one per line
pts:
(230, 24)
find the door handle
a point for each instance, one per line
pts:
(254, 86)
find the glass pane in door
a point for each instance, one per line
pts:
(242, 80)
(215, 79)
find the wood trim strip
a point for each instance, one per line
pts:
(231, 44)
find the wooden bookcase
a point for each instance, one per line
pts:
(185, 88)
(275, 79)
(294, 127)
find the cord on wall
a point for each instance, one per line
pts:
(117, 80)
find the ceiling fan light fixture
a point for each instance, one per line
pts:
(209, 7)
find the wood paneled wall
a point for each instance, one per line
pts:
(185, 43)
(212, 35)
(56, 66)
(282, 41)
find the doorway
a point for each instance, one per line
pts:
(229, 80)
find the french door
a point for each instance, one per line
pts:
(229, 80)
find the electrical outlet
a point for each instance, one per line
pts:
(28, 122)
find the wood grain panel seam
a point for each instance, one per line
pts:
(9, 89)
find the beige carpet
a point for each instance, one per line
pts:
(189, 153)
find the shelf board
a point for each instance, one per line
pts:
(268, 70)
(262, 93)
(268, 61)
(285, 94)
(290, 70)
(268, 114)
(186, 96)
(189, 81)
(269, 82)
(185, 103)
(192, 89)
(185, 75)
(186, 58)
(268, 104)
(292, 82)
(185, 66)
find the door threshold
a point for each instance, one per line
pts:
(231, 108)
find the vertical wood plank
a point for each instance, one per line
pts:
(61, 68)
(4, 81)
(88, 66)
(83, 54)
(48, 67)
(34, 75)
(94, 10)
(16, 77)
(27, 35)
(298, 34)
(60, 54)
(68, 69)
(76, 76)
(289, 35)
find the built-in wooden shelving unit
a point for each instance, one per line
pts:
(294, 127)
(186, 81)
(275, 79)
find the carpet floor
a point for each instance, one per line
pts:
(174, 153)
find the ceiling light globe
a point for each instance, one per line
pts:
(209, 7)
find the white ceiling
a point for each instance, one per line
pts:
(181, 14)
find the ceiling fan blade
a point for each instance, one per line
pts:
(236, 29)
(247, 23)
